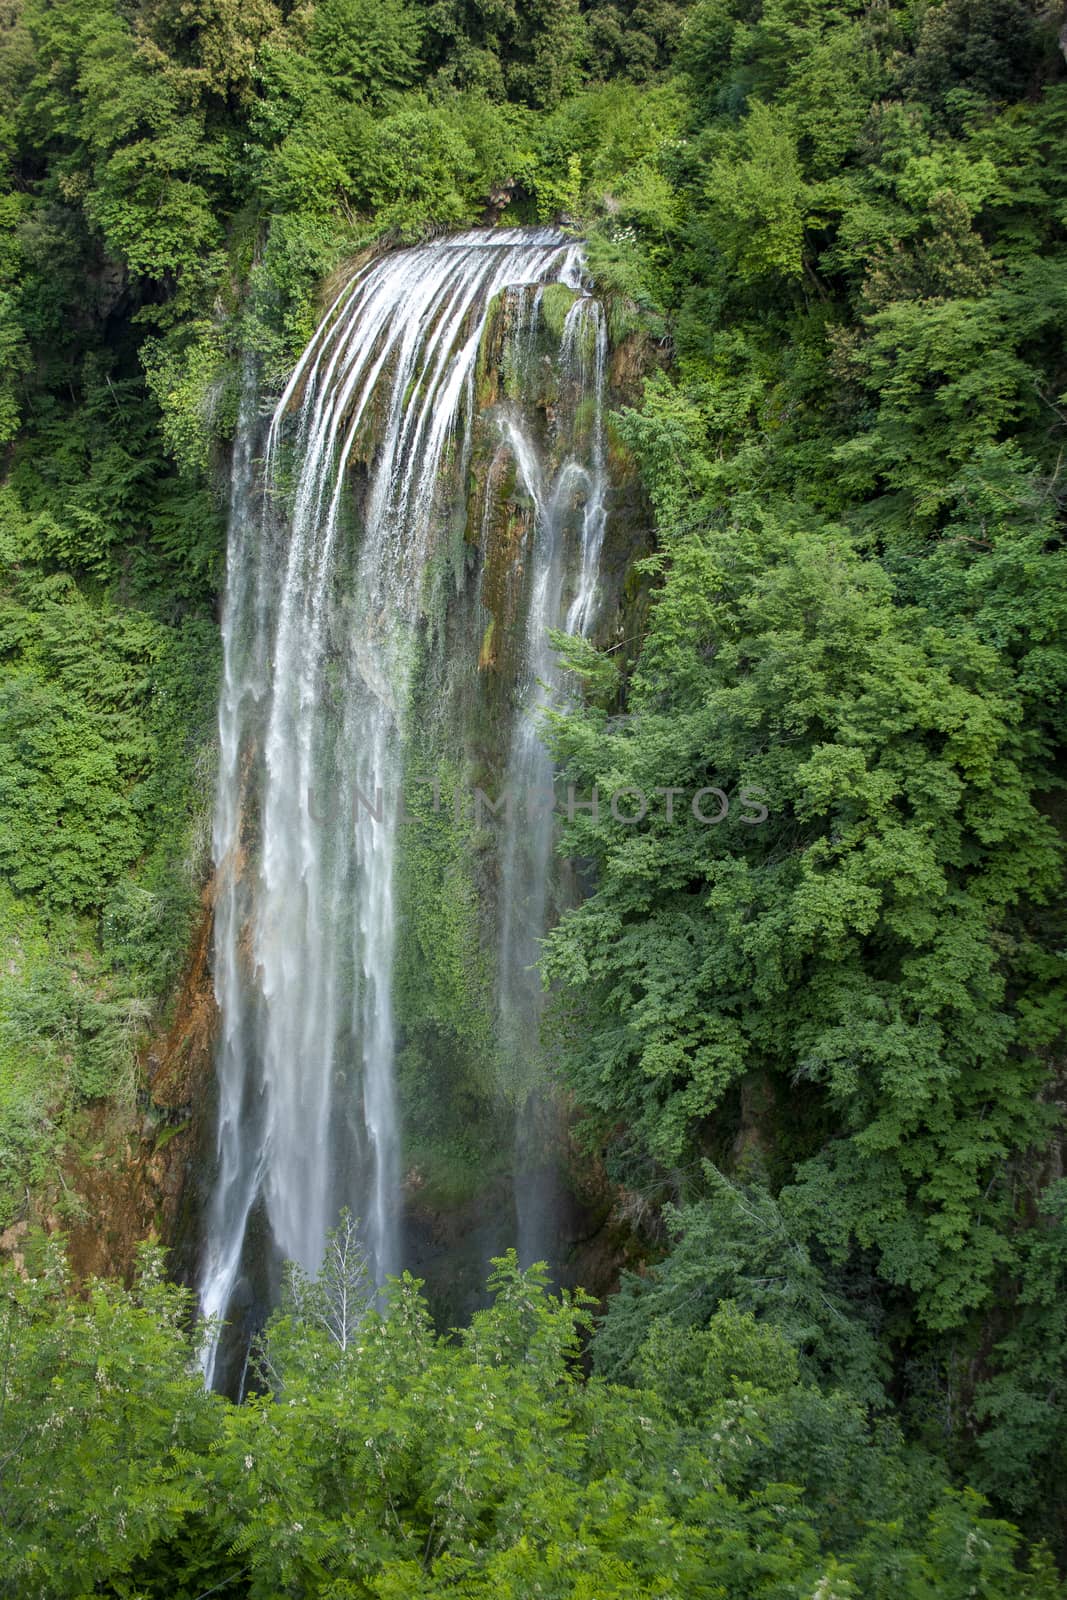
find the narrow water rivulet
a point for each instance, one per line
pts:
(354, 536)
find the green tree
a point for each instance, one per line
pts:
(738, 1284)
(852, 943)
(101, 1419)
(364, 47)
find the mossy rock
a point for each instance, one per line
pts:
(556, 300)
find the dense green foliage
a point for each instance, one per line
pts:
(831, 1039)
(384, 1460)
(861, 614)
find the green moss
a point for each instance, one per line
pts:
(450, 1172)
(621, 460)
(556, 301)
(487, 364)
(166, 1134)
(444, 974)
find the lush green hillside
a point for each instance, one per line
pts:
(833, 1043)
(857, 472)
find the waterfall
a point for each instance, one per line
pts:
(340, 513)
(575, 492)
(579, 484)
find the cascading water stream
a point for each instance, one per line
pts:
(569, 502)
(333, 559)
